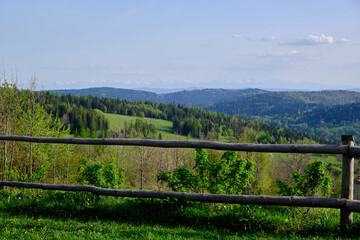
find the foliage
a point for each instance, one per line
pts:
(285, 102)
(313, 181)
(75, 112)
(113, 177)
(327, 114)
(101, 174)
(231, 175)
(39, 174)
(39, 214)
(21, 114)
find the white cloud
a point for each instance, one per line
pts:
(347, 41)
(62, 83)
(237, 36)
(280, 54)
(252, 38)
(310, 40)
(307, 41)
(270, 38)
(243, 81)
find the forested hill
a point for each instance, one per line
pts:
(185, 97)
(274, 103)
(207, 96)
(186, 120)
(328, 114)
(329, 122)
(322, 113)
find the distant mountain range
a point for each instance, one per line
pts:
(186, 97)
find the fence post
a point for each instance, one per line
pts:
(347, 182)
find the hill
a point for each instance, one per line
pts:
(327, 114)
(273, 103)
(185, 97)
(328, 121)
(207, 96)
(186, 121)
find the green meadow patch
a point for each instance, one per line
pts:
(37, 214)
(117, 121)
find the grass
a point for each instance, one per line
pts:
(117, 121)
(37, 214)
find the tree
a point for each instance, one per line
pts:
(21, 114)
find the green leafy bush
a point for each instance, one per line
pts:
(313, 181)
(231, 175)
(101, 174)
(113, 176)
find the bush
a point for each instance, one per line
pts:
(101, 174)
(229, 176)
(313, 181)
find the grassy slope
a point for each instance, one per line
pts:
(58, 215)
(116, 123)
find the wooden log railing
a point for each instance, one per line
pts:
(293, 201)
(348, 150)
(353, 151)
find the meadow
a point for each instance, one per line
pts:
(164, 127)
(39, 214)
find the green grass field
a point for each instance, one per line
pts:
(117, 121)
(37, 214)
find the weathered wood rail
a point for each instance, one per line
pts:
(352, 151)
(348, 150)
(350, 205)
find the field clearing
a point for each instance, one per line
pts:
(33, 214)
(117, 121)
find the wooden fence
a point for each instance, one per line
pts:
(346, 204)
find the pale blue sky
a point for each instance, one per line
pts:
(180, 44)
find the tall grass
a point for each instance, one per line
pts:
(34, 214)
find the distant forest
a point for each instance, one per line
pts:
(327, 114)
(78, 113)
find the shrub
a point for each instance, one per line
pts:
(313, 181)
(101, 174)
(231, 175)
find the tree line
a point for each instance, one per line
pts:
(78, 112)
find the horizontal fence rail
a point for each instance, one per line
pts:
(352, 151)
(315, 202)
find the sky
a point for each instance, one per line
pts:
(307, 45)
